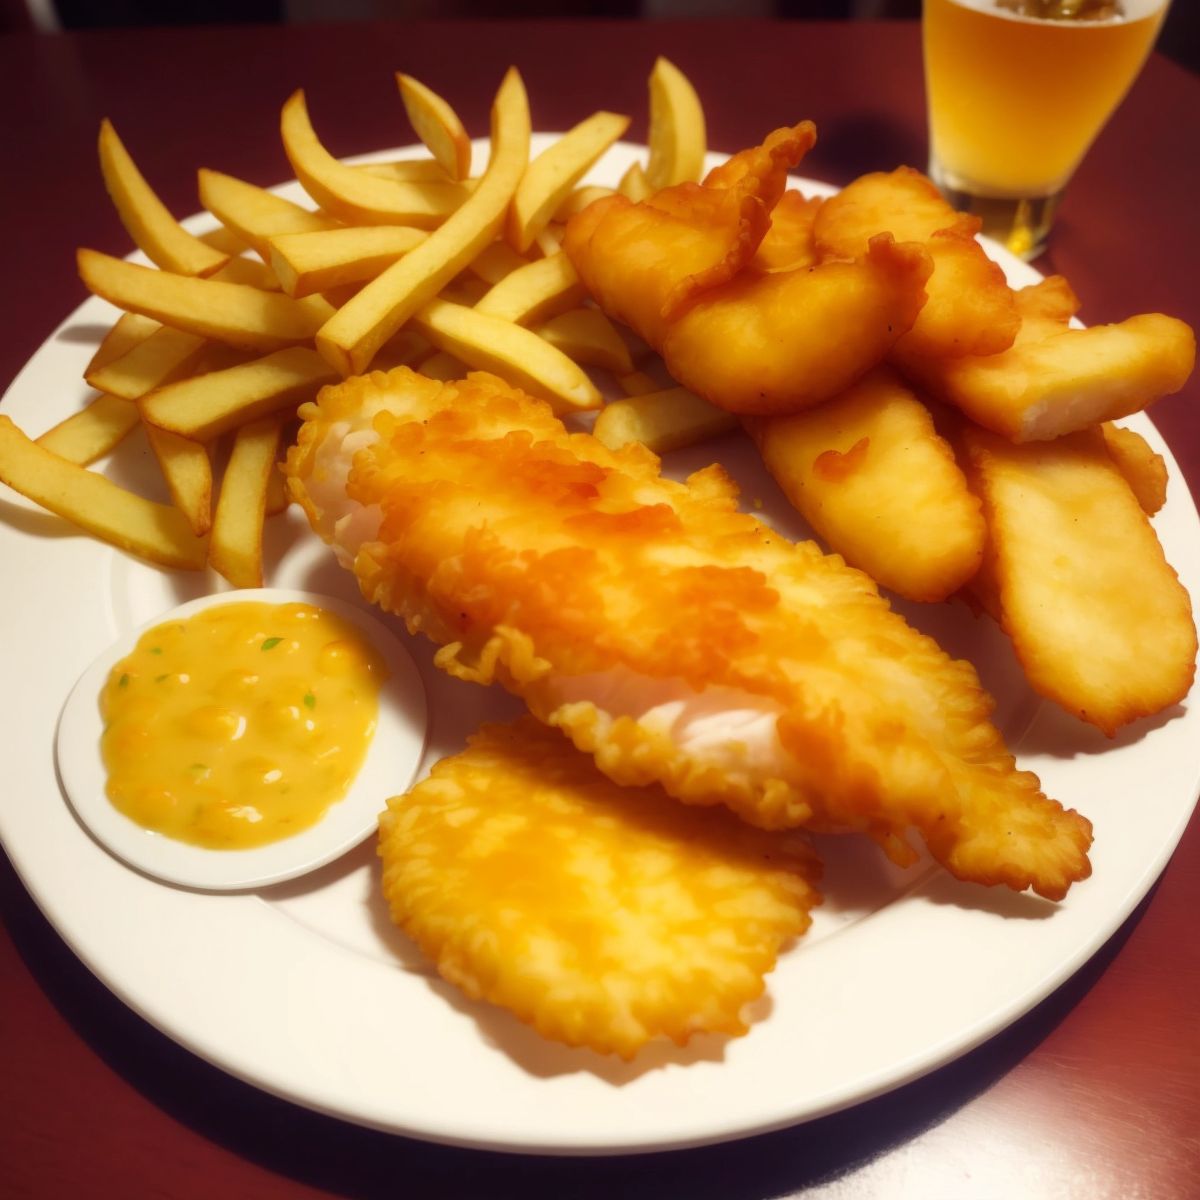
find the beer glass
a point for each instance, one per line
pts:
(1017, 91)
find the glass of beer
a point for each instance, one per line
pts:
(1017, 91)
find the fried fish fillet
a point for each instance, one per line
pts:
(874, 479)
(602, 916)
(678, 269)
(970, 309)
(1076, 577)
(1055, 379)
(672, 637)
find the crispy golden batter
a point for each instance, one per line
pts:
(602, 916)
(674, 638)
(1144, 469)
(1077, 578)
(872, 476)
(746, 339)
(970, 309)
(788, 244)
(1054, 379)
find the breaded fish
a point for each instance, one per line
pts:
(678, 268)
(674, 638)
(871, 475)
(1055, 379)
(602, 916)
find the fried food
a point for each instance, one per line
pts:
(788, 244)
(970, 309)
(602, 916)
(1097, 617)
(675, 268)
(1055, 379)
(879, 485)
(672, 637)
(1145, 470)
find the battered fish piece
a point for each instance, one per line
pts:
(675, 639)
(1055, 380)
(1076, 577)
(745, 339)
(874, 479)
(602, 916)
(970, 309)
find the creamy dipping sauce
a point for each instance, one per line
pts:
(240, 725)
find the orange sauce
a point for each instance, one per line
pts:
(240, 725)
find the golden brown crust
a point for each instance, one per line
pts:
(535, 555)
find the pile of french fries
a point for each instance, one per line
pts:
(415, 262)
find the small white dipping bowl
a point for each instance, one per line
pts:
(391, 764)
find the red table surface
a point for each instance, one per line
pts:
(1096, 1093)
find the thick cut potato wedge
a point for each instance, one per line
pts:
(166, 354)
(534, 292)
(677, 138)
(510, 351)
(91, 433)
(306, 263)
(95, 504)
(226, 312)
(128, 330)
(235, 545)
(154, 230)
(550, 177)
(868, 471)
(589, 337)
(212, 404)
(1097, 617)
(254, 214)
(662, 420)
(350, 338)
(437, 125)
(1145, 471)
(355, 196)
(188, 471)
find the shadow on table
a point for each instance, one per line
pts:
(346, 1160)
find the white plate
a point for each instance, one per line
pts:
(306, 990)
(391, 763)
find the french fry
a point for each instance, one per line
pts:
(225, 241)
(661, 421)
(496, 261)
(405, 349)
(510, 351)
(188, 471)
(95, 504)
(208, 405)
(409, 170)
(534, 292)
(1077, 566)
(313, 262)
(1144, 470)
(251, 271)
(128, 330)
(350, 338)
(877, 483)
(589, 337)
(467, 289)
(551, 176)
(437, 125)
(577, 200)
(677, 137)
(254, 214)
(165, 354)
(633, 184)
(442, 366)
(354, 196)
(235, 544)
(154, 230)
(227, 312)
(549, 240)
(93, 431)
(277, 493)
(638, 383)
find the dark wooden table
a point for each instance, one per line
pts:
(1096, 1093)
